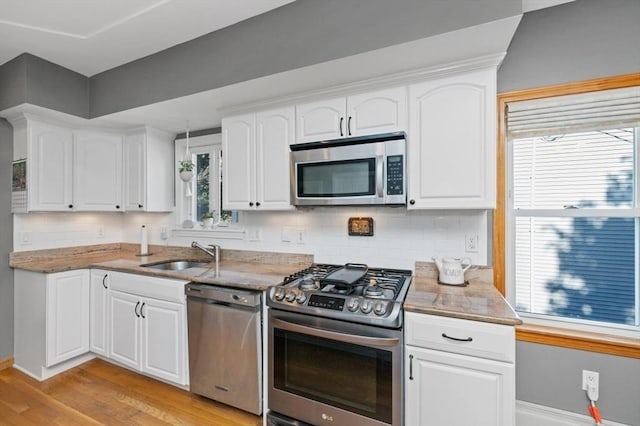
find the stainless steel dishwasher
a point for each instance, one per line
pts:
(225, 345)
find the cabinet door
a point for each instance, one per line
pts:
(149, 171)
(238, 170)
(275, 132)
(67, 318)
(50, 168)
(97, 172)
(457, 390)
(98, 312)
(124, 328)
(135, 172)
(316, 121)
(164, 340)
(382, 111)
(451, 148)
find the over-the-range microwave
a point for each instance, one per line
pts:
(362, 170)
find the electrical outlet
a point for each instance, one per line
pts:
(25, 237)
(471, 243)
(255, 234)
(300, 235)
(591, 383)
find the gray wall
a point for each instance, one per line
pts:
(29, 79)
(13, 81)
(299, 34)
(576, 41)
(552, 376)
(6, 241)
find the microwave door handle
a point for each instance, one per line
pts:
(380, 176)
(334, 335)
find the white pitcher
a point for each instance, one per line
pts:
(450, 269)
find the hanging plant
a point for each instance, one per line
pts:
(186, 166)
(185, 169)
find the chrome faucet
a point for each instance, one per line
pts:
(215, 253)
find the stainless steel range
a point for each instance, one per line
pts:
(335, 346)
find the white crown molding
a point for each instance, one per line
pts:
(395, 79)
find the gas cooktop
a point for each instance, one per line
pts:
(351, 292)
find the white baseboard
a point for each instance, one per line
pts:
(528, 414)
(47, 372)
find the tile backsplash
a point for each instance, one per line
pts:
(401, 237)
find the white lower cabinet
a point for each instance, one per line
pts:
(146, 333)
(51, 321)
(458, 372)
(98, 312)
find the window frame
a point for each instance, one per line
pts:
(552, 333)
(211, 144)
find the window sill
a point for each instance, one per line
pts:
(219, 232)
(582, 340)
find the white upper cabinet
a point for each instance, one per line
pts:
(49, 168)
(148, 171)
(97, 179)
(255, 155)
(452, 142)
(322, 120)
(275, 132)
(238, 164)
(381, 111)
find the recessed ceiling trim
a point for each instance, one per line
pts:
(128, 18)
(87, 36)
(42, 29)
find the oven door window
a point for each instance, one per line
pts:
(352, 377)
(346, 178)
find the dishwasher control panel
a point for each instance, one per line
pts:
(223, 295)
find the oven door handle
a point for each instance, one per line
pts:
(334, 335)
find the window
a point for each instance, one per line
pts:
(573, 210)
(203, 194)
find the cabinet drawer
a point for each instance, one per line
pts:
(475, 338)
(157, 288)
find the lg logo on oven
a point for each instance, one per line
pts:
(327, 417)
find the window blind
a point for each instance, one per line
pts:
(570, 113)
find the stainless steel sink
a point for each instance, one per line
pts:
(176, 265)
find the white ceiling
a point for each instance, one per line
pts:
(91, 36)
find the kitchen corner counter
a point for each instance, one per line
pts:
(240, 269)
(478, 301)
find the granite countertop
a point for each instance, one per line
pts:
(477, 301)
(238, 268)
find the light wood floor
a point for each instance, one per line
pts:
(100, 393)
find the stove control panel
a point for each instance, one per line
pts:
(326, 302)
